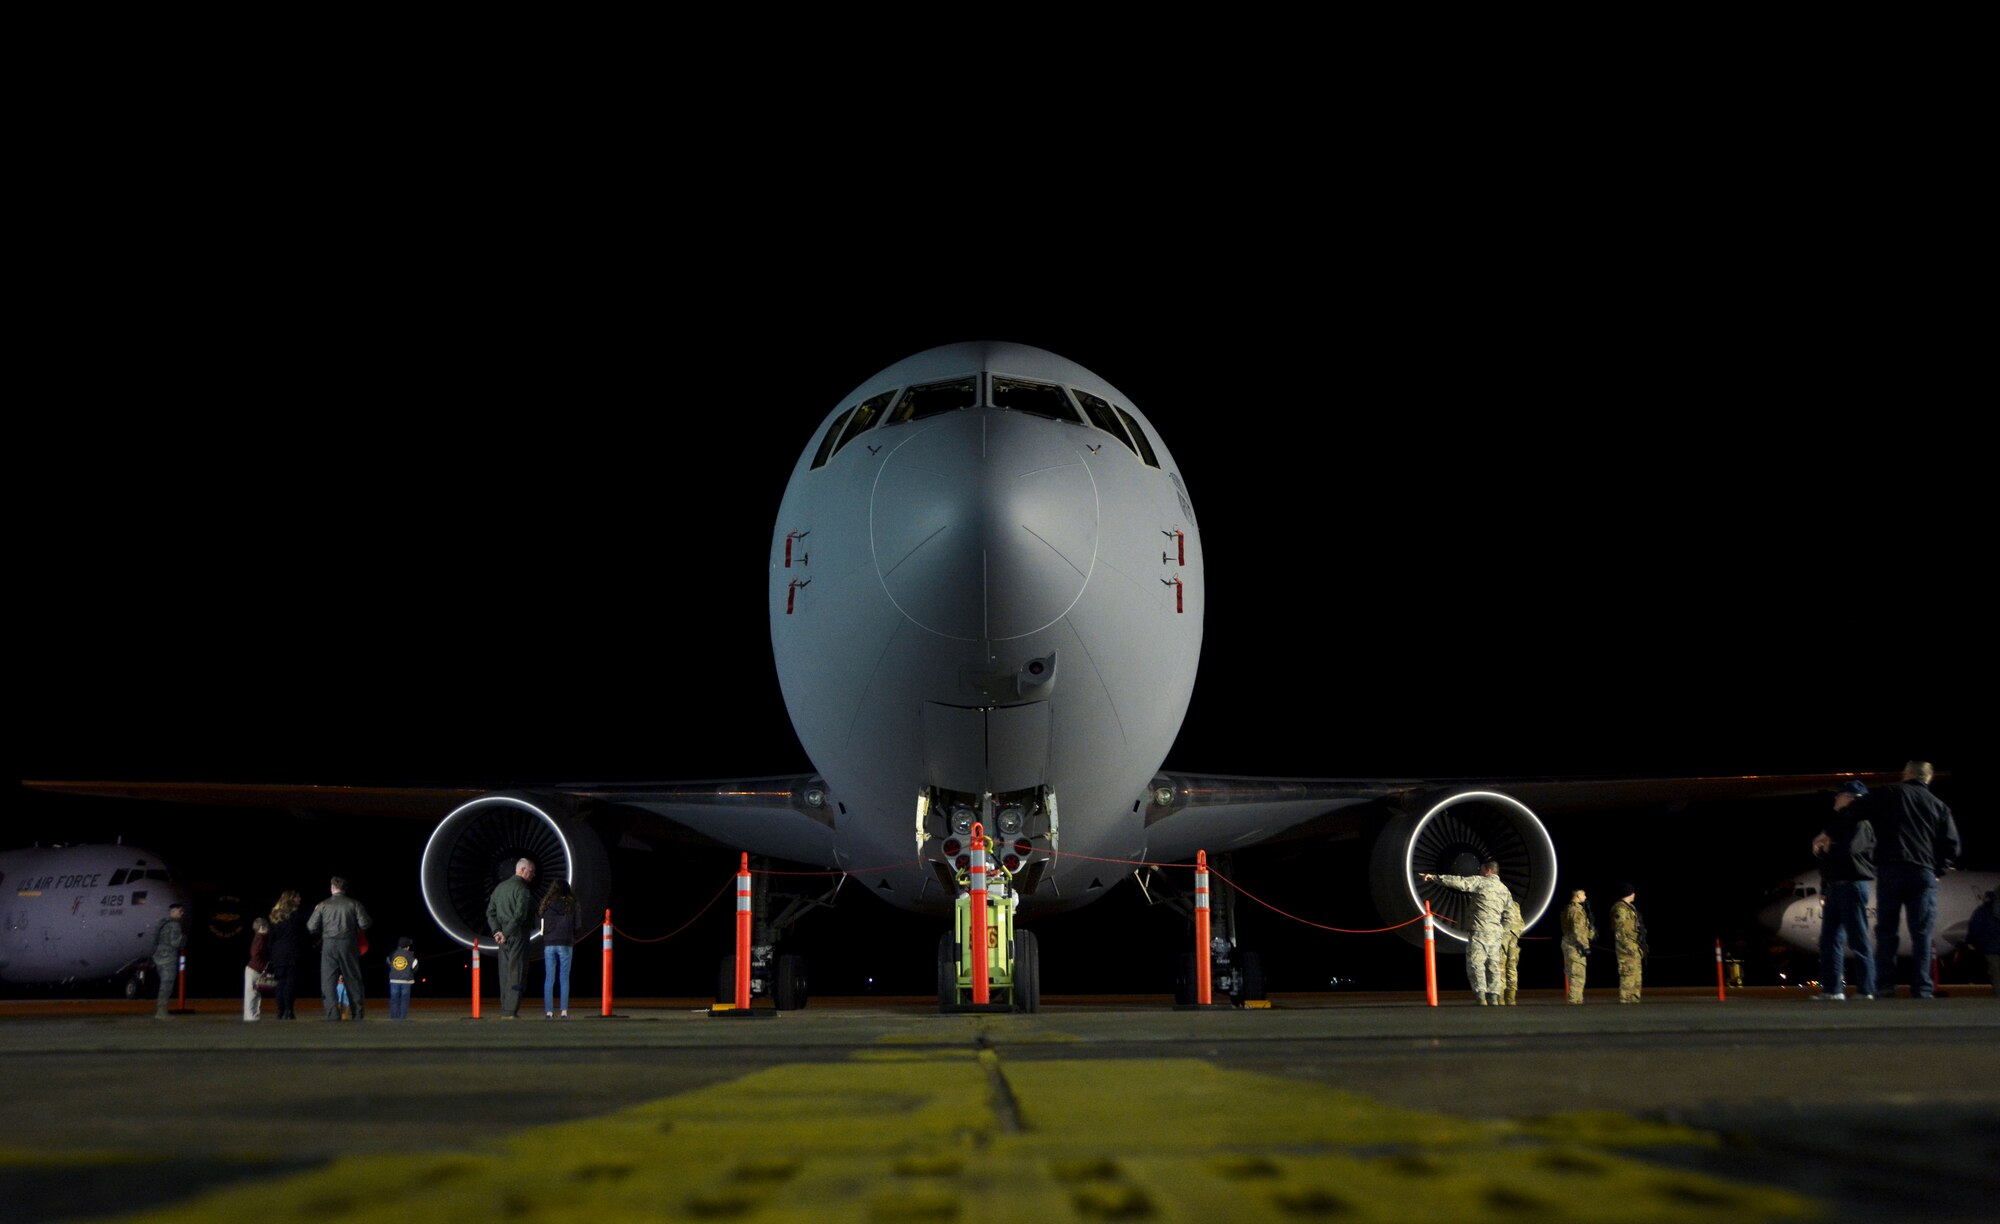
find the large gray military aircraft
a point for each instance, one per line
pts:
(82, 913)
(986, 594)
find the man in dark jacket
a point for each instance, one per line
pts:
(1846, 850)
(1915, 839)
(507, 915)
(339, 921)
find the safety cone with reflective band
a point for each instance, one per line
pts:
(979, 967)
(743, 935)
(1430, 956)
(607, 962)
(181, 986)
(1204, 986)
(475, 979)
(1720, 997)
(740, 1005)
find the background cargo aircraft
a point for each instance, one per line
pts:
(79, 914)
(1794, 910)
(986, 592)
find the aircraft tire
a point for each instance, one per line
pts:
(1184, 983)
(1027, 972)
(947, 972)
(1253, 976)
(790, 992)
(725, 981)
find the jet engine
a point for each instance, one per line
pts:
(476, 847)
(1453, 834)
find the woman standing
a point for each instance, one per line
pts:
(260, 960)
(288, 938)
(558, 945)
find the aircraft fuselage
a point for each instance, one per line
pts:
(983, 608)
(80, 913)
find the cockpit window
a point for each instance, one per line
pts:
(1036, 399)
(1104, 417)
(832, 435)
(932, 398)
(117, 878)
(1139, 437)
(864, 416)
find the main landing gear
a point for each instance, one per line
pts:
(779, 978)
(1234, 971)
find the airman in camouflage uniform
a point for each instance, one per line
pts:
(1628, 933)
(1490, 897)
(1510, 950)
(168, 940)
(1578, 933)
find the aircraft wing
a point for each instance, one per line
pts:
(415, 802)
(777, 816)
(1221, 812)
(787, 816)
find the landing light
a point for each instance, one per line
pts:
(1010, 820)
(961, 820)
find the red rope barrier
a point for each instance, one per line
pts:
(726, 885)
(834, 871)
(1307, 921)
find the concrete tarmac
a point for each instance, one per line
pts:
(1768, 1106)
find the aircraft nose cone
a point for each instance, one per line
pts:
(985, 524)
(1772, 916)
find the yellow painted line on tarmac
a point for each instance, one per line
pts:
(24, 1158)
(948, 1137)
(1041, 1037)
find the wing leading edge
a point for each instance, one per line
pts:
(785, 816)
(1187, 812)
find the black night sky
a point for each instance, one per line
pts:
(389, 508)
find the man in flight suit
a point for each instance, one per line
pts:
(1578, 933)
(1490, 896)
(339, 921)
(508, 913)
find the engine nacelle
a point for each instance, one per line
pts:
(476, 847)
(1453, 834)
